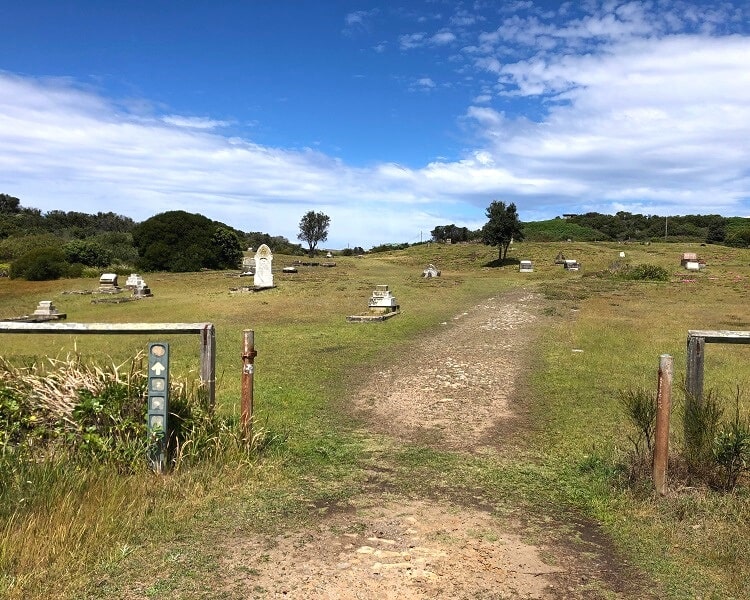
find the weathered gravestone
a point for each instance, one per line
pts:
(46, 309)
(431, 271)
(263, 274)
(382, 301)
(382, 305)
(108, 283)
(248, 266)
(526, 266)
(133, 281)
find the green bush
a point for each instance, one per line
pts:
(40, 265)
(88, 253)
(643, 273)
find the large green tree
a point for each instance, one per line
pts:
(503, 227)
(313, 228)
(180, 241)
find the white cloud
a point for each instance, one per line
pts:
(193, 122)
(412, 40)
(662, 119)
(358, 20)
(68, 149)
(443, 37)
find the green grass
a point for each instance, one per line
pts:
(149, 536)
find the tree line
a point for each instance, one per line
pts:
(620, 227)
(56, 244)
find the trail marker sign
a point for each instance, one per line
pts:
(158, 401)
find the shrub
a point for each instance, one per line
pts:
(731, 448)
(17, 245)
(87, 252)
(646, 273)
(701, 424)
(40, 265)
(640, 407)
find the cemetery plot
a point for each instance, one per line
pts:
(45, 311)
(382, 305)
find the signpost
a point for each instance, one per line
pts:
(158, 402)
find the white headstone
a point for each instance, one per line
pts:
(263, 275)
(622, 255)
(134, 281)
(45, 308)
(108, 279)
(382, 298)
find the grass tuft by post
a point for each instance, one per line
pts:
(640, 407)
(731, 447)
(701, 423)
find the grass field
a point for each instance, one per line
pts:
(94, 534)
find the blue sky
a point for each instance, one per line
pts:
(390, 118)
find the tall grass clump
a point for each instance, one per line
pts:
(74, 469)
(731, 447)
(640, 406)
(701, 423)
(714, 451)
(643, 272)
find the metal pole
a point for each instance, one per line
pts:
(248, 358)
(661, 437)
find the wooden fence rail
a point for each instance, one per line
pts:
(207, 333)
(696, 342)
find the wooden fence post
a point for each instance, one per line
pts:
(696, 346)
(661, 435)
(208, 362)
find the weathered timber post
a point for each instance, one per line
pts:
(248, 358)
(208, 362)
(696, 346)
(661, 437)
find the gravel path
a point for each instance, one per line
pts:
(455, 392)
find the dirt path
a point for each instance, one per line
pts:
(455, 392)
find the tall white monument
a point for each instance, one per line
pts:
(263, 275)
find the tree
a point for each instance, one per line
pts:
(717, 232)
(503, 227)
(9, 204)
(443, 233)
(179, 241)
(227, 244)
(313, 228)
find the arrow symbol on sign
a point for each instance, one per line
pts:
(158, 368)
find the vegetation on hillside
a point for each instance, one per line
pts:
(105, 241)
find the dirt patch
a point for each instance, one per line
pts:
(396, 549)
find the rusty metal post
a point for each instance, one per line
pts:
(248, 358)
(661, 436)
